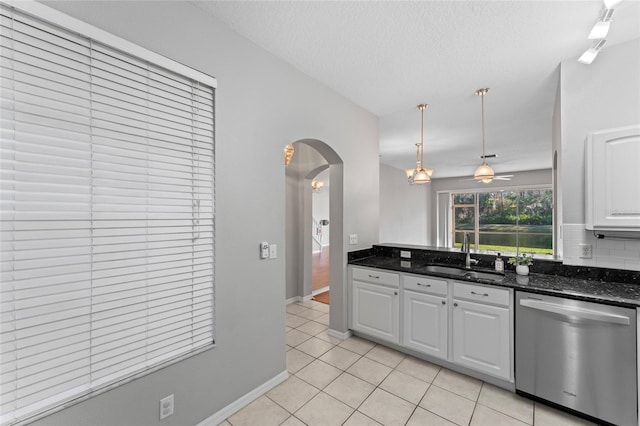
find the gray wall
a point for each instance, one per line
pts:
(262, 105)
(603, 95)
(403, 208)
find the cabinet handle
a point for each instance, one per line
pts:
(395, 292)
(444, 303)
(374, 276)
(479, 294)
(455, 304)
(424, 285)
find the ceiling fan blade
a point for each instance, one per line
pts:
(499, 177)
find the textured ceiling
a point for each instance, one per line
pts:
(389, 56)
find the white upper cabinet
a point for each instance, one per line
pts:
(612, 179)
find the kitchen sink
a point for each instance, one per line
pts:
(463, 273)
(443, 269)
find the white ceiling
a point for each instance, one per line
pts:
(389, 56)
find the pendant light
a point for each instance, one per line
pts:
(484, 172)
(420, 175)
(317, 185)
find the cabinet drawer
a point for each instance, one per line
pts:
(376, 276)
(425, 285)
(479, 293)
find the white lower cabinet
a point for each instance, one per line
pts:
(376, 309)
(482, 331)
(425, 323)
(466, 324)
(425, 317)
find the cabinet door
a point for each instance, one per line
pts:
(376, 311)
(612, 174)
(481, 338)
(425, 323)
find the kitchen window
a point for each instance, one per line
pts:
(107, 211)
(506, 221)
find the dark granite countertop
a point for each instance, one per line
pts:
(617, 293)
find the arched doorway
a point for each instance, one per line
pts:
(313, 155)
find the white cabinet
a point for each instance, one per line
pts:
(425, 314)
(612, 192)
(482, 329)
(376, 304)
(465, 324)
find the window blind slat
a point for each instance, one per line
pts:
(106, 226)
(27, 78)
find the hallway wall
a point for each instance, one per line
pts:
(262, 104)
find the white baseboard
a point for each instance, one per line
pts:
(339, 334)
(300, 299)
(320, 249)
(320, 290)
(217, 418)
(294, 299)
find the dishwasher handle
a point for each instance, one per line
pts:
(572, 311)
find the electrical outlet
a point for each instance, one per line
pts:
(273, 251)
(166, 407)
(405, 253)
(353, 239)
(585, 251)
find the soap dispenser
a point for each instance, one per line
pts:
(499, 264)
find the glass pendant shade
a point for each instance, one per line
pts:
(421, 176)
(484, 172)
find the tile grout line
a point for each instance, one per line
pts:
(476, 402)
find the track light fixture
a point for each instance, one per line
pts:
(590, 54)
(599, 32)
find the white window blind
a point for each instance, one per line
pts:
(107, 216)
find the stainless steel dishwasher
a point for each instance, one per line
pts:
(579, 355)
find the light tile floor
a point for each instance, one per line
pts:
(356, 382)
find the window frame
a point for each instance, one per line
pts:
(48, 15)
(476, 191)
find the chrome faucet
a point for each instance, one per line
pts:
(465, 249)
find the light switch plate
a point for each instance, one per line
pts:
(273, 251)
(353, 239)
(264, 250)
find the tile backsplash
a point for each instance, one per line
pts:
(606, 253)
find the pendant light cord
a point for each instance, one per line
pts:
(422, 107)
(482, 98)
